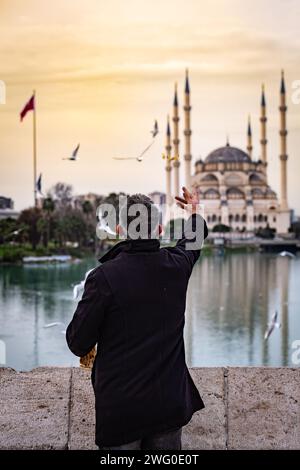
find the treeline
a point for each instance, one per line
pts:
(61, 220)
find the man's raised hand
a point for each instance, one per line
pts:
(190, 200)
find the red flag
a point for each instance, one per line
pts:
(29, 106)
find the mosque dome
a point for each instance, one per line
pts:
(227, 154)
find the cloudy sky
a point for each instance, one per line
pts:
(103, 70)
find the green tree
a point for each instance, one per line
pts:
(29, 218)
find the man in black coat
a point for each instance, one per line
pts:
(133, 308)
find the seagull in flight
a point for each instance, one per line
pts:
(272, 325)
(140, 157)
(74, 154)
(79, 287)
(154, 131)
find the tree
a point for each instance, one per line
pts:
(61, 193)
(221, 228)
(29, 218)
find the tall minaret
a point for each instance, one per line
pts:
(263, 128)
(249, 138)
(187, 131)
(168, 164)
(283, 155)
(176, 162)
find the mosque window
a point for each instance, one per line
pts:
(230, 218)
(235, 193)
(214, 218)
(266, 218)
(255, 218)
(244, 218)
(260, 218)
(257, 193)
(211, 194)
(208, 218)
(237, 218)
(274, 219)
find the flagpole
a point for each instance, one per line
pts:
(34, 152)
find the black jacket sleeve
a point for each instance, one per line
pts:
(83, 331)
(195, 232)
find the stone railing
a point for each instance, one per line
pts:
(246, 408)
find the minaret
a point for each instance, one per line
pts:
(187, 131)
(176, 162)
(263, 128)
(283, 155)
(249, 138)
(168, 164)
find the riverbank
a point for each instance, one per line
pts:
(14, 254)
(246, 408)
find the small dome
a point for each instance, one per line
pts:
(227, 154)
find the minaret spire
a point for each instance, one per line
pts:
(249, 138)
(176, 162)
(187, 131)
(263, 127)
(283, 147)
(168, 148)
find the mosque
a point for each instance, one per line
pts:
(232, 185)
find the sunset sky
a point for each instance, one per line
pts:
(104, 70)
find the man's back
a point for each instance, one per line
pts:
(133, 308)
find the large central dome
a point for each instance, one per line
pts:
(227, 154)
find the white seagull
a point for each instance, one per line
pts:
(55, 323)
(140, 157)
(287, 253)
(74, 154)
(79, 287)
(272, 325)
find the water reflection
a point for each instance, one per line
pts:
(230, 301)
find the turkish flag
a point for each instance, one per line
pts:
(29, 106)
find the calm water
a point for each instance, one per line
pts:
(230, 300)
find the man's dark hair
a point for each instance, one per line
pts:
(139, 217)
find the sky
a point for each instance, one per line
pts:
(104, 70)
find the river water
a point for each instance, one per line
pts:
(230, 301)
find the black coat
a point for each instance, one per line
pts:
(133, 306)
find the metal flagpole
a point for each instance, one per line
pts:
(34, 150)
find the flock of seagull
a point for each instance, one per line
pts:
(78, 288)
(139, 158)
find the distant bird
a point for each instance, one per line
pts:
(272, 325)
(154, 131)
(74, 154)
(287, 253)
(140, 157)
(79, 287)
(103, 225)
(50, 325)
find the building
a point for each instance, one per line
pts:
(7, 208)
(232, 185)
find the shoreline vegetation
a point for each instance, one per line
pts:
(10, 254)
(64, 224)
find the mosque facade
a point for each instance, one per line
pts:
(233, 187)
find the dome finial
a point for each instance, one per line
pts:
(227, 141)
